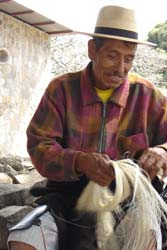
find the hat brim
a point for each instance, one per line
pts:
(117, 38)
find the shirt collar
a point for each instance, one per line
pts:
(88, 92)
(89, 95)
(120, 94)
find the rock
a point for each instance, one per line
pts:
(4, 178)
(13, 194)
(27, 164)
(14, 161)
(17, 176)
(32, 177)
(9, 216)
(7, 169)
(36, 177)
(23, 178)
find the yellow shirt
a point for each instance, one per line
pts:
(104, 94)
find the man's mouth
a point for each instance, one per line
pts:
(114, 78)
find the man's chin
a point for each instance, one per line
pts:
(114, 82)
(110, 84)
(114, 85)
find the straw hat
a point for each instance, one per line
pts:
(118, 23)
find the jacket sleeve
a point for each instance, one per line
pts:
(45, 135)
(157, 121)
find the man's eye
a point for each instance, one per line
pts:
(112, 55)
(129, 59)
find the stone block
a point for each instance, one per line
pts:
(5, 179)
(13, 194)
(9, 216)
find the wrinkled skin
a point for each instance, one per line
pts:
(154, 160)
(111, 62)
(96, 167)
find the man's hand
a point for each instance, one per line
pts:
(96, 167)
(154, 160)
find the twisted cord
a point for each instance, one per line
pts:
(142, 222)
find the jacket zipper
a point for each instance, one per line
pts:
(102, 129)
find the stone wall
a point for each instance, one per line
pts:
(69, 53)
(24, 69)
(17, 176)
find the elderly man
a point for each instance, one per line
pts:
(85, 119)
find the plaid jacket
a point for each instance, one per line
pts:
(71, 118)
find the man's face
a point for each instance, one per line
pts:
(111, 62)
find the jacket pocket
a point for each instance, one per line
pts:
(133, 145)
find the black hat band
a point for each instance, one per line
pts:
(116, 32)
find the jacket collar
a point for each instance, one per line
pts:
(89, 95)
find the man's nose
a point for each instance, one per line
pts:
(120, 66)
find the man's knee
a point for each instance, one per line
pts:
(14, 245)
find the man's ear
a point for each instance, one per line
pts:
(91, 49)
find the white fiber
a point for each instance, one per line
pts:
(140, 227)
